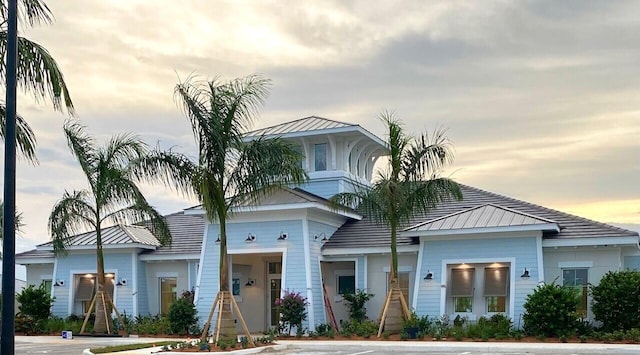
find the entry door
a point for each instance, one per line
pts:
(274, 278)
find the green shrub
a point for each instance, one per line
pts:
(616, 300)
(34, 309)
(356, 304)
(365, 328)
(550, 310)
(292, 310)
(183, 314)
(323, 329)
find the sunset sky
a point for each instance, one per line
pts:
(540, 98)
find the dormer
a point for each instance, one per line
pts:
(337, 154)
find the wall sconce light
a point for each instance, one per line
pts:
(121, 282)
(282, 236)
(322, 236)
(218, 240)
(250, 282)
(250, 238)
(525, 274)
(429, 275)
(59, 283)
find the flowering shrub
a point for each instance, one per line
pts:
(292, 310)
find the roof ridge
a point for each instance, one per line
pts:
(548, 209)
(298, 120)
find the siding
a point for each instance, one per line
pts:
(315, 246)
(294, 277)
(324, 188)
(522, 248)
(632, 262)
(38, 272)
(68, 266)
(143, 294)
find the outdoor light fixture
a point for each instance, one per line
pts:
(250, 238)
(283, 236)
(121, 282)
(322, 236)
(525, 274)
(59, 283)
(250, 282)
(429, 275)
(218, 240)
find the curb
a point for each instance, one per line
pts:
(277, 347)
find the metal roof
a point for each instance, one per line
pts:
(114, 235)
(483, 216)
(367, 233)
(311, 123)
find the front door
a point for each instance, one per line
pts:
(274, 279)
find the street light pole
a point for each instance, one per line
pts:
(7, 342)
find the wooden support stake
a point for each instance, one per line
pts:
(86, 317)
(106, 317)
(383, 317)
(405, 307)
(244, 325)
(115, 309)
(207, 325)
(219, 320)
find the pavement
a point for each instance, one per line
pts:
(77, 345)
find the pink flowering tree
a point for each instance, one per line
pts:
(293, 310)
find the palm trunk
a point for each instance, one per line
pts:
(228, 329)
(100, 324)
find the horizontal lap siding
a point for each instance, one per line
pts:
(325, 188)
(632, 262)
(143, 294)
(86, 263)
(315, 228)
(523, 249)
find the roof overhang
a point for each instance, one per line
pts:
(591, 241)
(465, 231)
(336, 130)
(104, 247)
(170, 257)
(337, 251)
(283, 207)
(35, 260)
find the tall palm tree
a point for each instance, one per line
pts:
(409, 185)
(112, 197)
(229, 170)
(38, 73)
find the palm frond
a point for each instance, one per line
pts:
(427, 156)
(33, 11)
(264, 164)
(38, 73)
(25, 138)
(83, 148)
(168, 168)
(121, 150)
(71, 215)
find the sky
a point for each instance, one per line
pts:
(541, 99)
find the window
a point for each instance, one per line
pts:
(495, 288)
(462, 289)
(168, 293)
(346, 284)
(87, 286)
(403, 283)
(320, 151)
(298, 149)
(236, 286)
(577, 279)
(47, 285)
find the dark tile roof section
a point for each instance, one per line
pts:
(483, 216)
(366, 233)
(186, 234)
(35, 254)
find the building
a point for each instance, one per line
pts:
(479, 256)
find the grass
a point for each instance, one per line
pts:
(125, 347)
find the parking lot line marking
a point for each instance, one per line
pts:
(362, 352)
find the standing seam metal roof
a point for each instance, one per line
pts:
(311, 123)
(114, 235)
(367, 233)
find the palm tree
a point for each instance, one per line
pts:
(112, 197)
(230, 170)
(409, 185)
(38, 73)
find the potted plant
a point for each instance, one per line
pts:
(411, 326)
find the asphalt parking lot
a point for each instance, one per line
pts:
(56, 345)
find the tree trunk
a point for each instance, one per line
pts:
(101, 320)
(228, 329)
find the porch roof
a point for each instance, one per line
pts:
(113, 235)
(483, 216)
(367, 233)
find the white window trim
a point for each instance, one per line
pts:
(71, 288)
(575, 264)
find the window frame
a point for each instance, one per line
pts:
(459, 297)
(161, 293)
(316, 156)
(583, 288)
